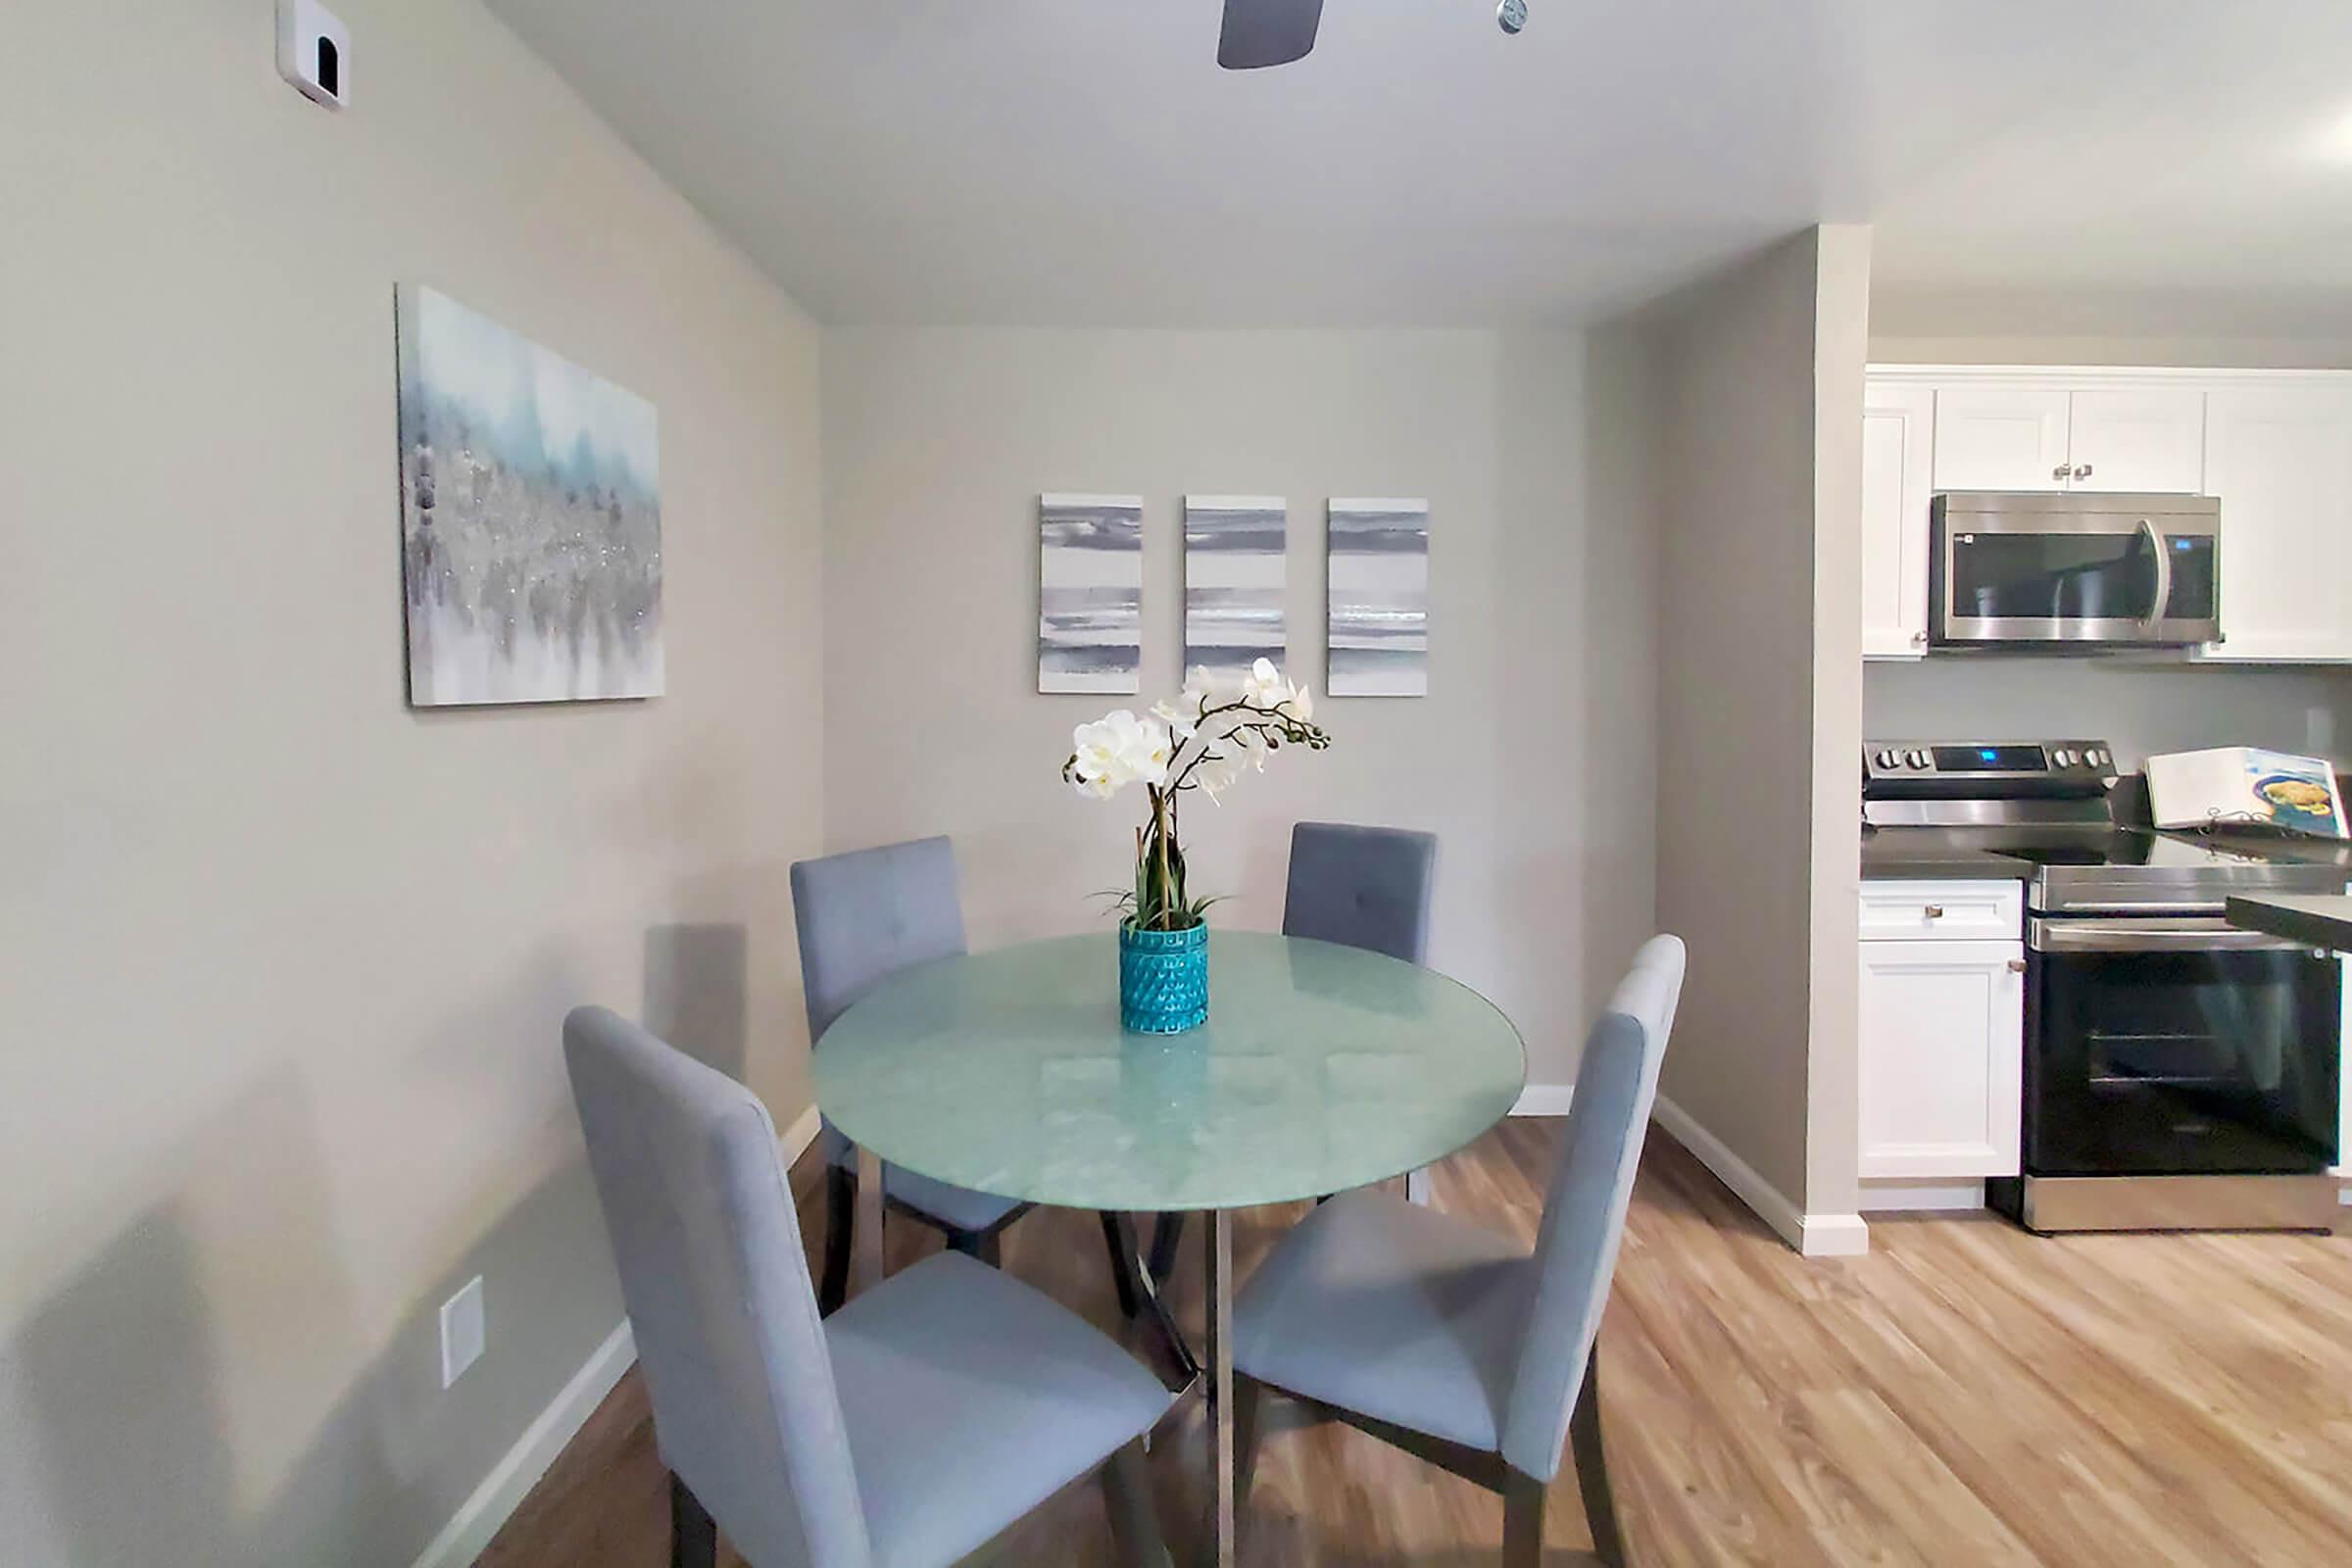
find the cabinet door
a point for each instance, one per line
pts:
(2001, 438)
(2280, 459)
(1942, 1058)
(2144, 438)
(1898, 441)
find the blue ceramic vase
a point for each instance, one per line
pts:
(1163, 979)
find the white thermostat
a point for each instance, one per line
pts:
(314, 51)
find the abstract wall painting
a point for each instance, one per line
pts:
(531, 518)
(1233, 579)
(1379, 598)
(1089, 593)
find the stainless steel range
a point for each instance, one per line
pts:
(2179, 1072)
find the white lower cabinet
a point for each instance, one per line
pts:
(1942, 1057)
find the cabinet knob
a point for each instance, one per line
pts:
(1933, 911)
(1919, 639)
(2017, 966)
(2060, 473)
(2082, 473)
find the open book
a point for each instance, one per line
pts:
(2245, 786)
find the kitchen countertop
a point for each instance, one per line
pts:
(2315, 919)
(1974, 854)
(1938, 854)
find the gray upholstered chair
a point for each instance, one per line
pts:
(909, 1429)
(863, 916)
(1360, 887)
(1451, 1341)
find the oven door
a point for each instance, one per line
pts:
(2178, 1046)
(2107, 577)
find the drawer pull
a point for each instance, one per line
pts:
(2017, 966)
(1935, 912)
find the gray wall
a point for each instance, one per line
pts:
(283, 960)
(1741, 676)
(2142, 707)
(1531, 757)
(1834, 1063)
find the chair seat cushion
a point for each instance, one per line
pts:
(970, 1399)
(1391, 1310)
(957, 1207)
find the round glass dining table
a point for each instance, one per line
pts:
(1321, 1068)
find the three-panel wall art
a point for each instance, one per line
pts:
(1089, 590)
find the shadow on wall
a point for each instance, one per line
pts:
(174, 1402)
(697, 992)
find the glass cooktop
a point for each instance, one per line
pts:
(2128, 846)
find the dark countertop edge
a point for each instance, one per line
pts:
(1977, 868)
(2314, 919)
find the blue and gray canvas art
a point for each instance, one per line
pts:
(1379, 598)
(1089, 593)
(1233, 582)
(531, 517)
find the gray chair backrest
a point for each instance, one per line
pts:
(1584, 1213)
(869, 913)
(693, 1193)
(1362, 886)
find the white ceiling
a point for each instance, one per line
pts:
(1083, 162)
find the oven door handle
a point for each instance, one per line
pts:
(2151, 936)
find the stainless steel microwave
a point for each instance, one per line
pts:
(2077, 571)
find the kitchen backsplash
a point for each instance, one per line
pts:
(2140, 706)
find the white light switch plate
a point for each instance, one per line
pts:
(462, 1330)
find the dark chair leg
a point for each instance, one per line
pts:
(1522, 1520)
(693, 1536)
(1122, 1268)
(1592, 1466)
(841, 1221)
(1248, 1401)
(1164, 1239)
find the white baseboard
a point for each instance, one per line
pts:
(796, 1139)
(1811, 1235)
(1544, 1099)
(510, 1480)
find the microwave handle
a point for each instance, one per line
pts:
(2164, 575)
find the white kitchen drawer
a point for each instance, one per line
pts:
(1942, 911)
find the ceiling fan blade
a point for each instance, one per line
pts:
(1266, 32)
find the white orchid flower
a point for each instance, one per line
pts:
(1249, 746)
(1179, 723)
(1265, 686)
(1118, 749)
(1300, 704)
(1217, 774)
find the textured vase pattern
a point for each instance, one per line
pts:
(1164, 980)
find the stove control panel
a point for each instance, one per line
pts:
(1991, 769)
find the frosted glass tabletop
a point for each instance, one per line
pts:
(1320, 1068)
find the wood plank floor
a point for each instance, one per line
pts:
(1967, 1394)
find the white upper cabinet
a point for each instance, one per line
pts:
(2279, 456)
(2001, 437)
(2136, 438)
(1898, 443)
(2274, 446)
